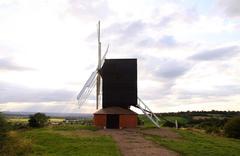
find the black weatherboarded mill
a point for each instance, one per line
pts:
(119, 85)
(119, 92)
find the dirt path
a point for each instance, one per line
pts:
(131, 142)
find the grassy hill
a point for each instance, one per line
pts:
(195, 143)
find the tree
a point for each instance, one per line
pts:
(38, 120)
(232, 128)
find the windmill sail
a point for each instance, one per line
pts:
(94, 79)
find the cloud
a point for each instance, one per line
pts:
(160, 75)
(15, 93)
(230, 7)
(125, 30)
(216, 91)
(90, 9)
(166, 41)
(217, 54)
(132, 31)
(170, 68)
(8, 64)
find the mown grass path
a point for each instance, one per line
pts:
(132, 143)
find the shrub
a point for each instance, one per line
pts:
(140, 121)
(19, 125)
(38, 120)
(3, 127)
(168, 124)
(212, 130)
(232, 128)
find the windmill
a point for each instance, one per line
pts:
(117, 79)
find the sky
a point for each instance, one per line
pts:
(188, 52)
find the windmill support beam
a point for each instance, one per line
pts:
(146, 110)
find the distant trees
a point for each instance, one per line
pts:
(38, 120)
(232, 128)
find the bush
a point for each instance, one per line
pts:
(19, 125)
(3, 127)
(169, 124)
(212, 130)
(232, 128)
(38, 120)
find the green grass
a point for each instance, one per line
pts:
(199, 144)
(69, 127)
(53, 144)
(149, 124)
(68, 140)
(146, 121)
(181, 120)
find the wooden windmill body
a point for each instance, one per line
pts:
(119, 92)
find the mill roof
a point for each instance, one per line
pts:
(115, 110)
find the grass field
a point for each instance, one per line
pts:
(149, 124)
(25, 120)
(199, 144)
(68, 140)
(19, 120)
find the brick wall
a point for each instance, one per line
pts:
(100, 120)
(125, 121)
(128, 121)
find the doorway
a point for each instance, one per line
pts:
(112, 121)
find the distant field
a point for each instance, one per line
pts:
(25, 120)
(199, 144)
(14, 120)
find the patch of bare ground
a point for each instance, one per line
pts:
(131, 142)
(162, 132)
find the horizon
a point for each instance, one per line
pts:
(188, 52)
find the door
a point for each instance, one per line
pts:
(113, 121)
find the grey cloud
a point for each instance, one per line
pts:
(166, 71)
(7, 64)
(15, 93)
(170, 69)
(217, 91)
(230, 7)
(216, 54)
(164, 68)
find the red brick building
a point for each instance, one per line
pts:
(115, 117)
